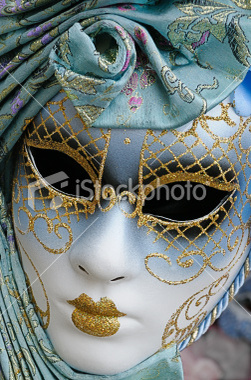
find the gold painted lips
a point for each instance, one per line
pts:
(96, 318)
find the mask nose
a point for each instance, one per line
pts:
(106, 251)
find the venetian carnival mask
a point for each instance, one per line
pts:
(131, 188)
(130, 239)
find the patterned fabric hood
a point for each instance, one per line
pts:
(162, 57)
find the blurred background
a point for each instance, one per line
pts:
(224, 352)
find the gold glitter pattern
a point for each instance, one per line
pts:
(216, 241)
(193, 311)
(164, 171)
(204, 239)
(199, 300)
(96, 318)
(127, 141)
(30, 189)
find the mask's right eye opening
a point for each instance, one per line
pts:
(63, 173)
(184, 201)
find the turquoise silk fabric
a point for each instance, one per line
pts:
(167, 62)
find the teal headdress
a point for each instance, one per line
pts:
(183, 58)
(181, 55)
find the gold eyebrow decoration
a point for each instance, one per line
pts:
(180, 176)
(46, 129)
(69, 200)
(66, 149)
(47, 132)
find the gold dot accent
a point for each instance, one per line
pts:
(127, 141)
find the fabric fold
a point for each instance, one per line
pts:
(184, 57)
(92, 94)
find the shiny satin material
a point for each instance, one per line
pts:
(167, 56)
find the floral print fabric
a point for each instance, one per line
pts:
(169, 61)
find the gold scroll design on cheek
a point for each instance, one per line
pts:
(18, 196)
(185, 260)
(192, 311)
(51, 228)
(236, 239)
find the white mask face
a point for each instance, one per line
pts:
(121, 278)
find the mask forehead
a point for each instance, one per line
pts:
(208, 145)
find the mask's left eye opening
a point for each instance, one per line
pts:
(62, 173)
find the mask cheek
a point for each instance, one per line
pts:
(38, 212)
(35, 284)
(39, 237)
(52, 234)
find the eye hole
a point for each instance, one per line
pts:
(62, 172)
(183, 201)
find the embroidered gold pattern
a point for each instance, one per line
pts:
(245, 4)
(83, 83)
